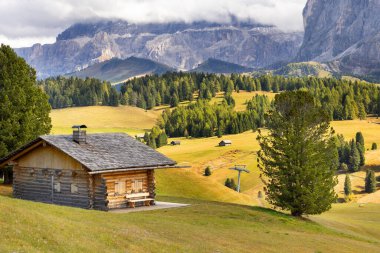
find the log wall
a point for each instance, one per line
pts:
(51, 186)
(116, 199)
(48, 175)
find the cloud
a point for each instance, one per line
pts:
(24, 22)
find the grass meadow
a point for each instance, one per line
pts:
(218, 219)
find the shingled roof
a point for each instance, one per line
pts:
(109, 151)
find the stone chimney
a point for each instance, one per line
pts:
(79, 134)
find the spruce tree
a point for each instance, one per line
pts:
(370, 182)
(233, 184)
(354, 160)
(207, 171)
(227, 183)
(174, 100)
(361, 153)
(347, 185)
(343, 167)
(360, 139)
(24, 107)
(297, 159)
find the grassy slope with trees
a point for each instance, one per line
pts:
(36, 229)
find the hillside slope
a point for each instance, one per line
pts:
(304, 69)
(118, 70)
(220, 67)
(215, 227)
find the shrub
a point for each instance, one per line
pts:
(374, 146)
(207, 171)
(343, 167)
(233, 184)
(227, 183)
(230, 183)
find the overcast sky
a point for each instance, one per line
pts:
(25, 22)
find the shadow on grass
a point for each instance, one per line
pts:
(375, 168)
(263, 210)
(6, 190)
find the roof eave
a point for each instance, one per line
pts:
(138, 168)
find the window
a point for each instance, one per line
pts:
(57, 186)
(120, 187)
(74, 188)
(137, 185)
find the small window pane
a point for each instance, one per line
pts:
(120, 187)
(74, 188)
(137, 185)
(57, 187)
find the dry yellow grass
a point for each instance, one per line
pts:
(242, 97)
(104, 119)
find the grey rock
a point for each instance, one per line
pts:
(179, 45)
(343, 33)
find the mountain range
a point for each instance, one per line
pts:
(181, 46)
(343, 35)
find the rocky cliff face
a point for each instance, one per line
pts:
(344, 33)
(179, 45)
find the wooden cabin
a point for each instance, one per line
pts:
(140, 137)
(225, 143)
(174, 143)
(94, 171)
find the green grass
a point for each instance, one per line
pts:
(210, 224)
(201, 227)
(354, 219)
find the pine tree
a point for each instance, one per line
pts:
(343, 167)
(152, 142)
(360, 139)
(146, 137)
(207, 171)
(370, 182)
(219, 132)
(233, 184)
(186, 133)
(227, 183)
(347, 185)
(162, 139)
(174, 101)
(24, 107)
(354, 160)
(297, 158)
(361, 154)
(114, 98)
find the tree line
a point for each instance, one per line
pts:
(342, 99)
(203, 119)
(70, 92)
